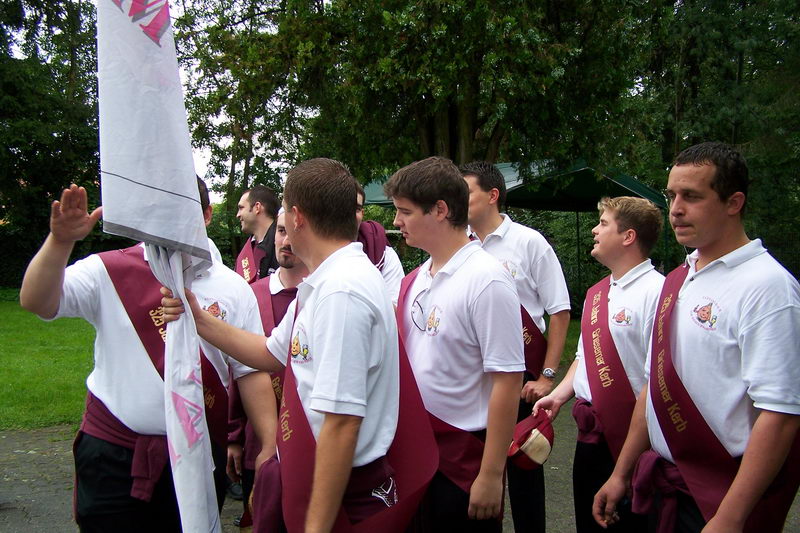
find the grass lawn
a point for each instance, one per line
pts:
(44, 367)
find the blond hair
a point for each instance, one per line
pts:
(638, 214)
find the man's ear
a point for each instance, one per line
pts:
(735, 203)
(298, 218)
(441, 210)
(630, 237)
(494, 196)
(207, 213)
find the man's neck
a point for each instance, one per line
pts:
(625, 264)
(262, 229)
(484, 227)
(316, 250)
(730, 241)
(451, 242)
(291, 277)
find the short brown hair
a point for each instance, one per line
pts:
(428, 181)
(638, 214)
(325, 191)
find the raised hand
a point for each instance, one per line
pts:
(70, 220)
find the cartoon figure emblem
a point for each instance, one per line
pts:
(511, 267)
(299, 349)
(216, 311)
(432, 325)
(704, 316)
(623, 317)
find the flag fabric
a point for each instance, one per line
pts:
(149, 192)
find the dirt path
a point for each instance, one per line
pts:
(36, 485)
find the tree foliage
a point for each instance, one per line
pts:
(380, 83)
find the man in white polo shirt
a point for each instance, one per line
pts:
(608, 376)
(122, 474)
(459, 318)
(537, 274)
(722, 402)
(338, 342)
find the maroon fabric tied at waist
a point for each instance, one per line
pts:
(368, 491)
(150, 454)
(590, 428)
(654, 474)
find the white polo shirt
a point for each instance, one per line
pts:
(735, 344)
(124, 377)
(533, 265)
(461, 324)
(344, 349)
(392, 273)
(632, 302)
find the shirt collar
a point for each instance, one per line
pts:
(499, 231)
(633, 274)
(455, 262)
(731, 259)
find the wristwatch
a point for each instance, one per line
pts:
(549, 373)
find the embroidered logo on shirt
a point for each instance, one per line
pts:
(511, 267)
(623, 317)
(299, 351)
(216, 311)
(705, 316)
(432, 324)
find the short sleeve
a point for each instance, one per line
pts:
(498, 323)
(343, 353)
(278, 341)
(80, 291)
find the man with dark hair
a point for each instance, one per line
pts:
(372, 236)
(459, 320)
(338, 344)
(257, 210)
(123, 478)
(537, 274)
(721, 408)
(608, 371)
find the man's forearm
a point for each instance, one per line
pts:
(770, 441)
(261, 407)
(566, 389)
(336, 447)
(556, 338)
(42, 284)
(244, 346)
(503, 407)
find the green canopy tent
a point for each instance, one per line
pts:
(576, 189)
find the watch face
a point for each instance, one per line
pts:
(549, 373)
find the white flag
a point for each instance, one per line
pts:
(149, 192)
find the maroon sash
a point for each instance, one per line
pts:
(460, 452)
(702, 460)
(272, 310)
(612, 397)
(412, 455)
(139, 291)
(248, 261)
(534, 345)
